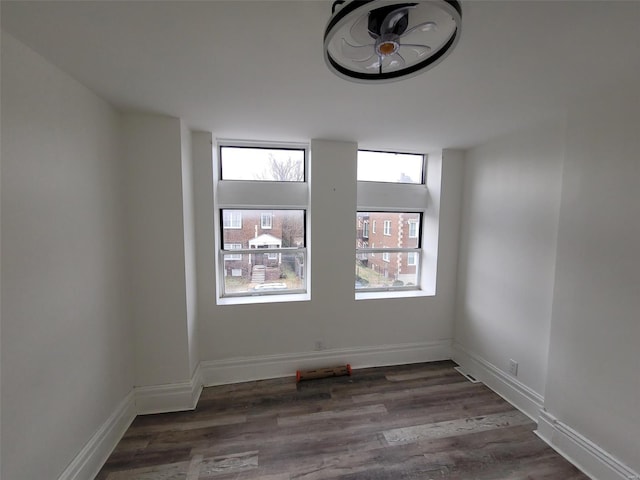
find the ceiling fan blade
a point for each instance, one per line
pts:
(419, 50)
(360, 30)
(423, 27)
(373, 65)
(396, 61)
(357, 52)
(392, 18)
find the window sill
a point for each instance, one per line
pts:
(251, 299)
(393, 294)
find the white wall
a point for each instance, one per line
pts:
(333, 316)
(66, 331)
(188, 215)
(594, 362)
(548, 275)
(508, 252)
(154, 166)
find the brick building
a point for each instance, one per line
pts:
(262, 229)
(389, 230)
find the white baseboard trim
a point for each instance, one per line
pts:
(173, 397)
(91, 458)
(244, 369)
(517, 393)
(582, 452)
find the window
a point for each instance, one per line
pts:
(232, 219)
(392, 192)
(262, 253)
(234, 256)
(365, 230)
(413, 229)
(396, 268)
(267, 258)
(261, 163)
(390, 167)
(266, 221)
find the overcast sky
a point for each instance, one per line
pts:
(246, 163)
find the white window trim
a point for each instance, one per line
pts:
(266, 225)
(387, 228)
(413, 224)
(261, 195)
(414, 256)
(228, 257)
(408, 198)
(235, 220)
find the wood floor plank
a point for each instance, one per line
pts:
(332, 415)
(453, 428)
(419, 421)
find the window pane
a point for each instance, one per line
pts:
(232, 219)
(284, 228)
(399, 230)
(372, 271)
(390, 167)
(262, 164)
(264, 273)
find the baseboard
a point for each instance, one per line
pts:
(582, 452)
(517, 393)
(173, 397)
(234, 370)
(91, 458)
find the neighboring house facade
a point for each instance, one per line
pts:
(389, 230)
(261, 229)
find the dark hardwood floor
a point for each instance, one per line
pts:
(421, 421)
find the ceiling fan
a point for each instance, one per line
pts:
(382, 41)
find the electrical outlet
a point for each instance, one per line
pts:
(513, 367)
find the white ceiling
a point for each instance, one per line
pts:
(255, 69)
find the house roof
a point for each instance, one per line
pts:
(255, 70)
(265, 239)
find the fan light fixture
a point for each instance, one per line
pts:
(382, 41)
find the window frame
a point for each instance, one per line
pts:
(396, 197)
(261, 195)
(423, 172)
(231, 225)
(414, 224)
(386, 228)
(263, 146)
(270, 222)
(387, 251)
(231, 257)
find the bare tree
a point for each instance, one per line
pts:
(288, 170)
